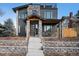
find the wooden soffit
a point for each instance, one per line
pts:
(33, 17)
(52, 21)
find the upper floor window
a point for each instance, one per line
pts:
(22, 14)
(35, 6)
(48, 14)
(49, 5)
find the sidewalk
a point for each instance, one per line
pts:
(34, 47)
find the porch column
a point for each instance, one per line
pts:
(40, 28)
(28, 28)
(60, 30)
(17, 28)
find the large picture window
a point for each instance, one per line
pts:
(22, 14)
(47, 30)
(48, 14)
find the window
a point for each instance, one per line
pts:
(45, 14)
(65, 23)
(49, 6)
(19, 28)
(35, 6)
(48, 14)
(22, 14)
(47, 28)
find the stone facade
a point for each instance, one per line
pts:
(40, 28)
(28, 28)
(31, 8)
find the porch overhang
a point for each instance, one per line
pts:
(52, 21)
(44, 21)
(32, 18)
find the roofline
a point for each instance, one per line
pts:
(20, 7)
(25, 6)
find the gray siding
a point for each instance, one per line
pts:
(22, 25)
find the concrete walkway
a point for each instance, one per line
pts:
(34, 47)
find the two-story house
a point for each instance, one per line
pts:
(36, 19)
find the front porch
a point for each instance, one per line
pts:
(37, 27)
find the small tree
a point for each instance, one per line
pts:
(77, 14)
(2, 28)
(9, 28)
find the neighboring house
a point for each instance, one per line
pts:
(36, 19)
(70, 26)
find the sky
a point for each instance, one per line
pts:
(63, 10)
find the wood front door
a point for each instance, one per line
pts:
(34, 28)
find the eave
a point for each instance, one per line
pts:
(51, 21)
(20, 7)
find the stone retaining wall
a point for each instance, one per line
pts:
(12, 47)
(61, 51)
(13, 42)
(61, 48)
(13, 50)
(60, 44)
(12, 38)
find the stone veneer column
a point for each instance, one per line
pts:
(28, 28)
(60, 32)
(17, 28)
(40, 28)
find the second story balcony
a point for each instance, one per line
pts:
(51, 5)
